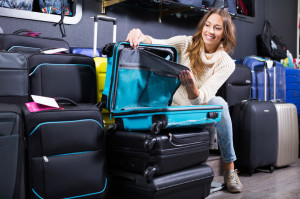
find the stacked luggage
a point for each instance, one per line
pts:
(263, 131)
(65, 153)
(153, 151)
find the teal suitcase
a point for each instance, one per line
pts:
(139, 88)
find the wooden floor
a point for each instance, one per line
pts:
(283, 183)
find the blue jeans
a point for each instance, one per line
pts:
(224, 131)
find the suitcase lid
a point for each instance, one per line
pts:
(144, 77)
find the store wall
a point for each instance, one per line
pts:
(282, 14)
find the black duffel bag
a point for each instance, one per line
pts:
(269, 44)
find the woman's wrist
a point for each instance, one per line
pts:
(147, 40)
(192, 92)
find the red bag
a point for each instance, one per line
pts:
(241, 7)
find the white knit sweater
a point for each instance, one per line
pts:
(218, 67)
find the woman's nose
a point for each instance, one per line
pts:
(211, 30)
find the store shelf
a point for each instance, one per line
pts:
(32, 15)
(162, 7)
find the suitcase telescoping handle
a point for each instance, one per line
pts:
(103, 18)
(274, 80)
(265, 81)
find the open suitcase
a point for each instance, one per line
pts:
(139, 89)
(153, 155)
(191, 183)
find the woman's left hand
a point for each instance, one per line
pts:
(187, 80)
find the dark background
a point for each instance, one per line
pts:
(282, 14)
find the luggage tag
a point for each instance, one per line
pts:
(41, 103)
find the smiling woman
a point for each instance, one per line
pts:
(206, 54)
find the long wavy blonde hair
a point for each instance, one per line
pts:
(228, 40)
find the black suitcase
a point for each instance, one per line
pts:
(191, 183)
(64, 75)
(14, 42)
(66, 152)
(13, 78)
(12, 150)
(237, 87)
(148, 154)
(255, 135)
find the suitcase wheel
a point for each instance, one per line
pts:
(250, 172)
(149, 172)
(112, 128)
(156, 127)
(271, 169)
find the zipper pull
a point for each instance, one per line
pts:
(45, 159)
(170, 137)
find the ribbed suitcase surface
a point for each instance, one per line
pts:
(255, 134)
(153, 155)
(288, 135)
(191, 183)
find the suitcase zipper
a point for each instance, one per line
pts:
(47, 64)
(177, 142)
(45, 159)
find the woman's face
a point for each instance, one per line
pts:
(212, 32)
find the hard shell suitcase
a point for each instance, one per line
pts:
(12, 152)
(14, 81)
(85, 51)
(255, 135)
(139, 89)
(292, 77)
(237, 87)
(153, 155)
(191, 183)
(288, 135)
(11, 42)
(63, 75)
(256, 65)
(66, 152)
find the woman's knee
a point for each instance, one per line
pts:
(218, 101)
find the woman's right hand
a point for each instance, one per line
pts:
(135, 36)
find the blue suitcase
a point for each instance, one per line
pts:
(139, 89)
(292, 77)
(256, 65)
(85, 51)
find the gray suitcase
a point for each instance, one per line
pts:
(288, 135)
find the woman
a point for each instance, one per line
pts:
(205, 54)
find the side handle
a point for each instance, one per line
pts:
(62, 100)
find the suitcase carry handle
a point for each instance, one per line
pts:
(60, 100)
(103, 18)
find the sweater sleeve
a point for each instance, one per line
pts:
(180, 42)
(209, 89)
